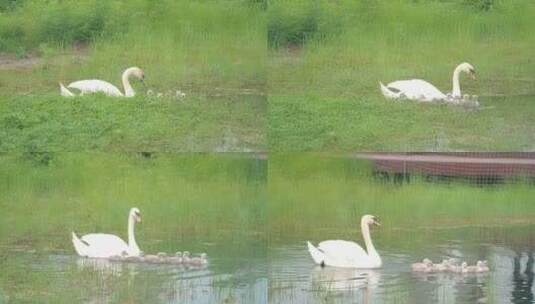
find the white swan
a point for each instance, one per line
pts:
(421, 90)
(100, 86)
(348, 254)
(99, 245)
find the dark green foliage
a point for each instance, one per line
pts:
(295, 24)
(482, 5)
(27, 25)
(8, 5)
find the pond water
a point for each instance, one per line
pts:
(194, 202)
(253, 220)
(294, 278)
(317, 197)
(62, 277)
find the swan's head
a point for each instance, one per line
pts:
(135, 214)
(464, 265)
(468, 69)
(370, 220)
(136, 72)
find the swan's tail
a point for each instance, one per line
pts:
(389, 93)
(316, 254)
(64, 91)
(79, 246)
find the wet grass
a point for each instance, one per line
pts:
(325, 90)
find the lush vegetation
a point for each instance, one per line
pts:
(327, 58)
(201, 203)
(324, 196)
(182, 197)
(212, 51)
(195, 123)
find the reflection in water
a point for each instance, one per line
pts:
(523, 280)
(295, 279)
(85, 280)
(102, 266)
(343, 279)
(332, 278)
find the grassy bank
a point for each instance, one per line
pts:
(214, 52)
(195, 123)
(183, 198)
(313, 196)
(314, 122)
(324, 84)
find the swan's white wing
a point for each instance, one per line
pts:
(345, 254)
(417, 89)
(95, 86)
(342, 249)
(101, 245)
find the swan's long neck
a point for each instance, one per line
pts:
(132, 245)
(456, 91)
(368, 241)
(128, 90)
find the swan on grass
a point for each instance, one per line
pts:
(100, 86)
(421, 90)
(99, 245)
(347, 254)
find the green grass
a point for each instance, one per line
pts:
(195, 123)
(214, 52)
(183, 198)
(324, 92)
(196, 202)
(322, 197)
(313, 122)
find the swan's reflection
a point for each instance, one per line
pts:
(102, 266)
(332, 278)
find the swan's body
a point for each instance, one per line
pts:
(101, 86)
(339, 253)
(100, 245)
(421, 90)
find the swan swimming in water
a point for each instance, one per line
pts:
(100, 86)
(347, 254)
(421, 90)
(100, 245)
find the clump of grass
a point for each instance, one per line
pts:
(481, 5)
(293, 23)
(53, 123)
(32, 23)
